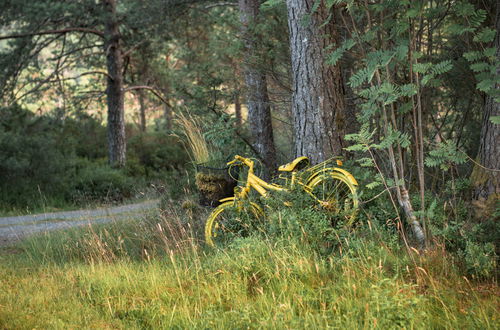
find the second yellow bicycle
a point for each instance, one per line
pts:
(332, 188)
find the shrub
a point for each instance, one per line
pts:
(31, 164)
(157, 151)
(101, 183)
(479, 259)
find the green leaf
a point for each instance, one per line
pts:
(480, 66)
(425, 80)
(412, 13)
(486, 85)
(444, 155)
(405, 107)
(459, 29)
(339, 52)
(442, 67)
(473, 56)
(315, 6)
(408, 90)
(421, 67)
(490, 52)
(372, 185)
(401, 52)
(365, 162)
(485, 35)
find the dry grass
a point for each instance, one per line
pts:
(195, 140)
(157, 273)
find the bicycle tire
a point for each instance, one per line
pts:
(230, 220)
(336, 193)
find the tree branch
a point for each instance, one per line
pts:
(39, 33)
(129, 51)
(149, 88)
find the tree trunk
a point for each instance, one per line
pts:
(259, 111)
(486, 176)
(318, 103)
(142, 110)
(114, 90)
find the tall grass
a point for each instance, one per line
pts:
(156, 273)
(195, 139)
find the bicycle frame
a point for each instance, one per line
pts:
(262, 187)
(253, 181)
(314, 177)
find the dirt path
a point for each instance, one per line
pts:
(15, 228)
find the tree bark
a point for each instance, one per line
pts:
(142, 110)
(486, 174)
(318, 103)
(259, 111)
(114, 90)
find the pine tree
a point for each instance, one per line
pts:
(318, 103)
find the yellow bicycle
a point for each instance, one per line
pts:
(333, 188)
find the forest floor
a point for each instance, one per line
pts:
(154, 271)
(13, 229)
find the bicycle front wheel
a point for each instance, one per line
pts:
(230, 220)
(337, 194)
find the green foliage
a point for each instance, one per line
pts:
(47, 161)
(370, 280)
(480, 259)
(303, 221)
(222, 136)
(444, 155)
(473, 245)
(157, 151)
(337, 54)
(100, 183)
(31, 164)
(484, 62)
(176, 184)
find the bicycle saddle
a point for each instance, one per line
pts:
(296, 165)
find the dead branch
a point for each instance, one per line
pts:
(61, 31)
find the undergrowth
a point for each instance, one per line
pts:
(156, 272)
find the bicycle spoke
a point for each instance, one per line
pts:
(335, 194)
(227, 222)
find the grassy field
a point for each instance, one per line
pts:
(156, 273)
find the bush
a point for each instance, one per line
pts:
(480, 259)
(157, 151)
(100, 183)
(31, 164)
(53, 161)
(85, 136)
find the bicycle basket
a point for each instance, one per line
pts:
(215, 183)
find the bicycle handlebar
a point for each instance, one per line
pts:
(244, 160)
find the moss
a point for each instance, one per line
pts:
(485, 208)
(479, 176)
(213, 187)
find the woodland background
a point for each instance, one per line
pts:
(95, 97)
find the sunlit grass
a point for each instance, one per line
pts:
(156, 273)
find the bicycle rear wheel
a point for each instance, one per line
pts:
(230, 220)
(337, 194)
